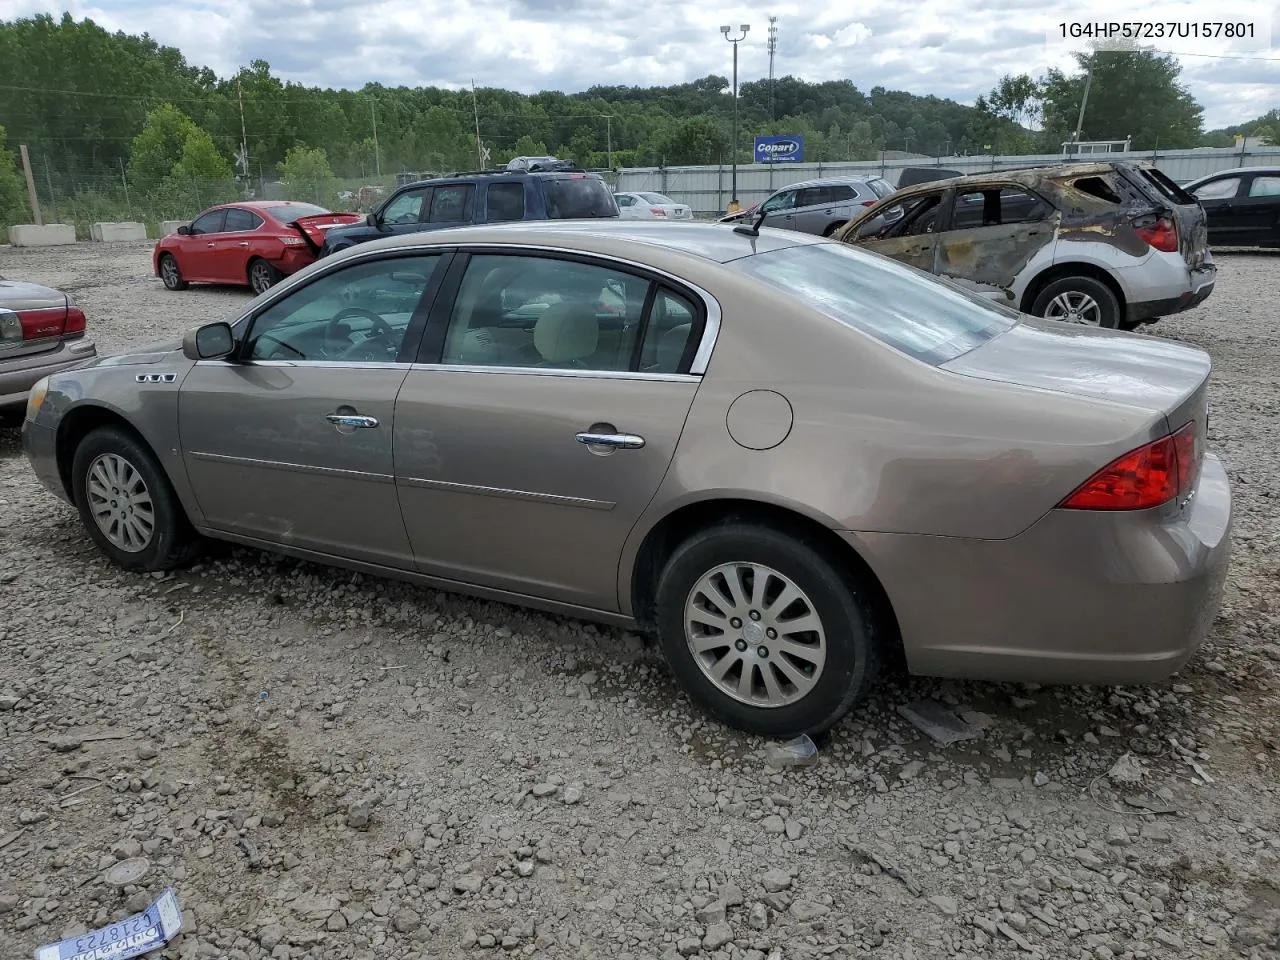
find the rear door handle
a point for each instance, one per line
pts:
(627, 441)
(352, 420)
(212, 244)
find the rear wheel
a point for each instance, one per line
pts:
(764, 631)
(127, 503)
(263, 276)
(170, 274)
(1078, 300)
(832, 228)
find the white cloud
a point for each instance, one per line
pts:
(949, 48)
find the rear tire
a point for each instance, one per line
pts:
(832, 228)
(798, 680)
(263, 276)
(127, 503)
(171, 273)
(1081, 300)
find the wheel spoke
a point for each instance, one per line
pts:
(759, 580)
(798, 678)
(747, 680)
(712, 618)
(785, 599)
(733, 577)
(100, 508)
(799, 651)
(705, 643)
(718, 598)
(724, 665)
(807, 623)
(772, 688)
(99, 472)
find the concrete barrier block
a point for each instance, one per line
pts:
(48, 235)
(171, 226)
(113, 232)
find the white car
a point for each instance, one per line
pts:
(651, 206)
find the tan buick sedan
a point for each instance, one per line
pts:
(789, 458)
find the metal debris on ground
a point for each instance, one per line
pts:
(800, 752)
(937, 721)
(130, 937)
(1127, 769)
(1149, 804)
(126, 873)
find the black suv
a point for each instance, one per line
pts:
(487, 196)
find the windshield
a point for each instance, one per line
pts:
(287, 213)
(916, 313)
(570, 198)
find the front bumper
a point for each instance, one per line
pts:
(19, 374)
(1081, 597)
(40, 443)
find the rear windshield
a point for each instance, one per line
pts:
(1166, 187)
(289, 212)
(570, 198)
(916, 313)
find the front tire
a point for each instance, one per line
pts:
(263, 276)
(171, 273)
(1082, 300)
(127, 503)
(765, 632)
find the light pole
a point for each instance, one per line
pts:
(734, 206)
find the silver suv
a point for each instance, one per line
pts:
(817, 206)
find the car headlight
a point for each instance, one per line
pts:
(35, 397)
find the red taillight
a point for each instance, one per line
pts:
(75, 322)
(1147, 477)
(657, 211)
(1162, 235)
(42, 323)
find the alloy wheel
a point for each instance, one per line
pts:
(120, 503)
(260, 277)
(755, 634)
(1072, 306)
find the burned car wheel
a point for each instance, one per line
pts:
(170, 273)
(127, 503)
(764, 631)
(1078, 300)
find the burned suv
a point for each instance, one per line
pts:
(1113, 244)
(486, 196)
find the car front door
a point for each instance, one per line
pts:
(542, 420)
(232, 246)
(1218, 197)
(1258, 211)
(780, 210)
(991, 235)
(406, 212)
(289, 442)
(911, 237)
(197, 252)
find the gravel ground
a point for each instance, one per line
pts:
(327, 766)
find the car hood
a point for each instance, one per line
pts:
(1139, 371)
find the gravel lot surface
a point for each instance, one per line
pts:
(327, 766)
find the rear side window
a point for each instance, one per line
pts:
(238, 219)
(506, 202)
(451, 204)
(1097, 187)
(1166, 187)
(1265, 187)
(577, 197)
(990, 208)
(669, 334)
(909, 310)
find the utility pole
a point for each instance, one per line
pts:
(608, 121)
(244, 137)
(31, 184)
(1088, 82)
(373, 115)
(773, 49)
(734, 206)
(475, 107)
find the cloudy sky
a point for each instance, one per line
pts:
(949, 48)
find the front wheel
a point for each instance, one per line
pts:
(263, 276)
(127, 503)
(765, 632)
(1079, 300)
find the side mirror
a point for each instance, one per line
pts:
(185, 230)
(372, 221)
(213, 341)
(872, 228)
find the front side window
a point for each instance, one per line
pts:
(907, 309)
(1223, 189)
(780, 201)
(210, 222)
(359, 313)
(406, 208)
(1265, 187)
(919, 217)
(451, 204)
(532, 311)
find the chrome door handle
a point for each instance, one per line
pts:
(627, 441)
(211, 244)
(244, 243)
(352, 420)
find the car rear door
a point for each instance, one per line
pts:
(290, 443)
(1258, 210)
(233, 246)
(541, 420)
(450, 205)
(993, 232)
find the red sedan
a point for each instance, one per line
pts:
(254, 243)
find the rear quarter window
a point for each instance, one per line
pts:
(1165, 187)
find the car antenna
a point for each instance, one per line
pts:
(754, 229)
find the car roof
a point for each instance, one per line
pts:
(828, 181)
(718, 243)
(1234, 172)
(486, 175)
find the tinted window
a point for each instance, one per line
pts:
(238, 219)
(406, 208)
(898, 305)
(780, 201)
(813, 196)
(670, 333)
(287, 213)
(506, 202)
(1265, 187)
(625, 200)
(991, 208)
(451, 204)
(210, 222)
(578, 196)
(530, 311)
(357, 314)
(1218, 189)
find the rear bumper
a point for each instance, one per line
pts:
(294, 259)
(40, 445)
(1081, 597)
(19, 374)
(1163, 285)
(1154, 309)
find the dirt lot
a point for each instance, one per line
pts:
(325, 766)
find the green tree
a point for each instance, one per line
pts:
(306, 171)
(201, 160)
(693, 141)
(160, 145)
(12, 190)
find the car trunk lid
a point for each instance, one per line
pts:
(314, 228)
(1180, 206)
(35, 318)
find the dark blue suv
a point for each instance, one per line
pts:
(491, 196)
